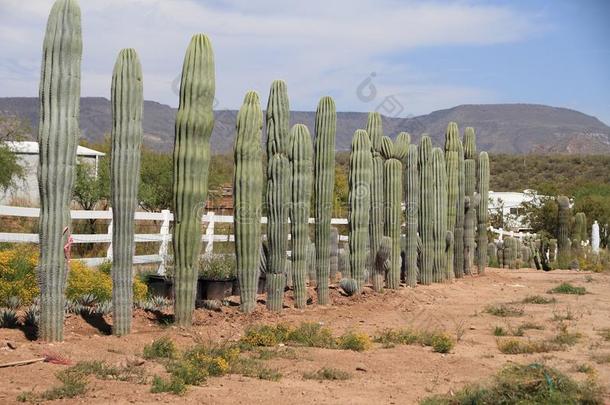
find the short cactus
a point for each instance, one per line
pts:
(301, 163)
(127, 103)
(247, 192)
(193, 129)
(563, 233)
(324, 174)
(360, 175)
(58, 132)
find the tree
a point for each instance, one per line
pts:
(11, 172)
(91, 189)
(156, 177)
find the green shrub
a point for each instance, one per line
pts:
(355, 341)
(516, 346)
(162, 348)
(311, 334)
(174, 385)
(538, 299)
(504, 310)
(525, 384)
(327, 374)
(567, 288)
(441, 343)
(218, 267)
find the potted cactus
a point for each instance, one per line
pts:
(216, 276)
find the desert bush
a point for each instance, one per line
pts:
(327, 374)
(567, 288)
(525, 384)
(517, 346)
(355, 341)
(440, 342)
(162, 348)
(538, 299)
(218, 267)
(504, 310)
(174, 385)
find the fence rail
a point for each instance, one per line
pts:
(163, 237)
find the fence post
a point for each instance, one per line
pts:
(209, 233)
(109, 251)
(164, 231)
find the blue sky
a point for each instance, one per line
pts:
(428, 55)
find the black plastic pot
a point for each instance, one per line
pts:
(213, 289)
(161, 286)
(260, 288)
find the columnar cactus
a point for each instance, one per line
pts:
(470, 187)
(194, 124)
(334, 252)
(492, 253)
(247, 193)
(483, 214)
(470, 207)
(552, 250)
(383, 263)
(360, 175)
(376, 226)
(58, 131)
(439, 214)
(278, 191)
(324, 173)
(500, 254)
(580, 227)
(510, 252)
(301, 162)
(394, 154)
(426, 208)
(563, 232)
(454, 159)
(411, 214)
(525, 256)
(452, 163)
(127, 103)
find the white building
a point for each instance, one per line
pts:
(27, 154)
(509, 203)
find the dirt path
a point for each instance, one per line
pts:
(401, 375)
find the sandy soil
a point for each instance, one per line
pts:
(400, 375)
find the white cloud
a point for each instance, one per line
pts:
(319, 47)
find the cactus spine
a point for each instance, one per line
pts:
(326, 128)
(411, 214)
(376, 227)
(194, 124)
(426, 207)
(563, 232)
(394, 154)
(470, 186)
(483, 210)
(278, 194)
(58, 131)
(439, 214)
(247, 192)
(301, 156)
(127, 103)
(360, 174)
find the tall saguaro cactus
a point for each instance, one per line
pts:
(194, 124)
(127, 103)
(301, 157)
(247, 193)
(426, 208)
(360, 174)
(439, 214)
(58, 132)
(452, 164)
(376, 226)
(470, 186)
(392, 176)
(563, 232)
(411, 214)
(324, 173)
(483, 214)
(278, 191)
(455, 197)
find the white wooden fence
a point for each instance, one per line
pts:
(163, 237)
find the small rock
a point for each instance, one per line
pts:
(361, 367)
(472, 327)
(11, 345)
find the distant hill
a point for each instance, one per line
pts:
(501, 128)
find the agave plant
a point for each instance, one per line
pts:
(32, 315)
(13, 302)
(8, 318)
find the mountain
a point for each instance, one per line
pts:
(501, 128)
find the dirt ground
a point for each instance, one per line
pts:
(398, 375)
